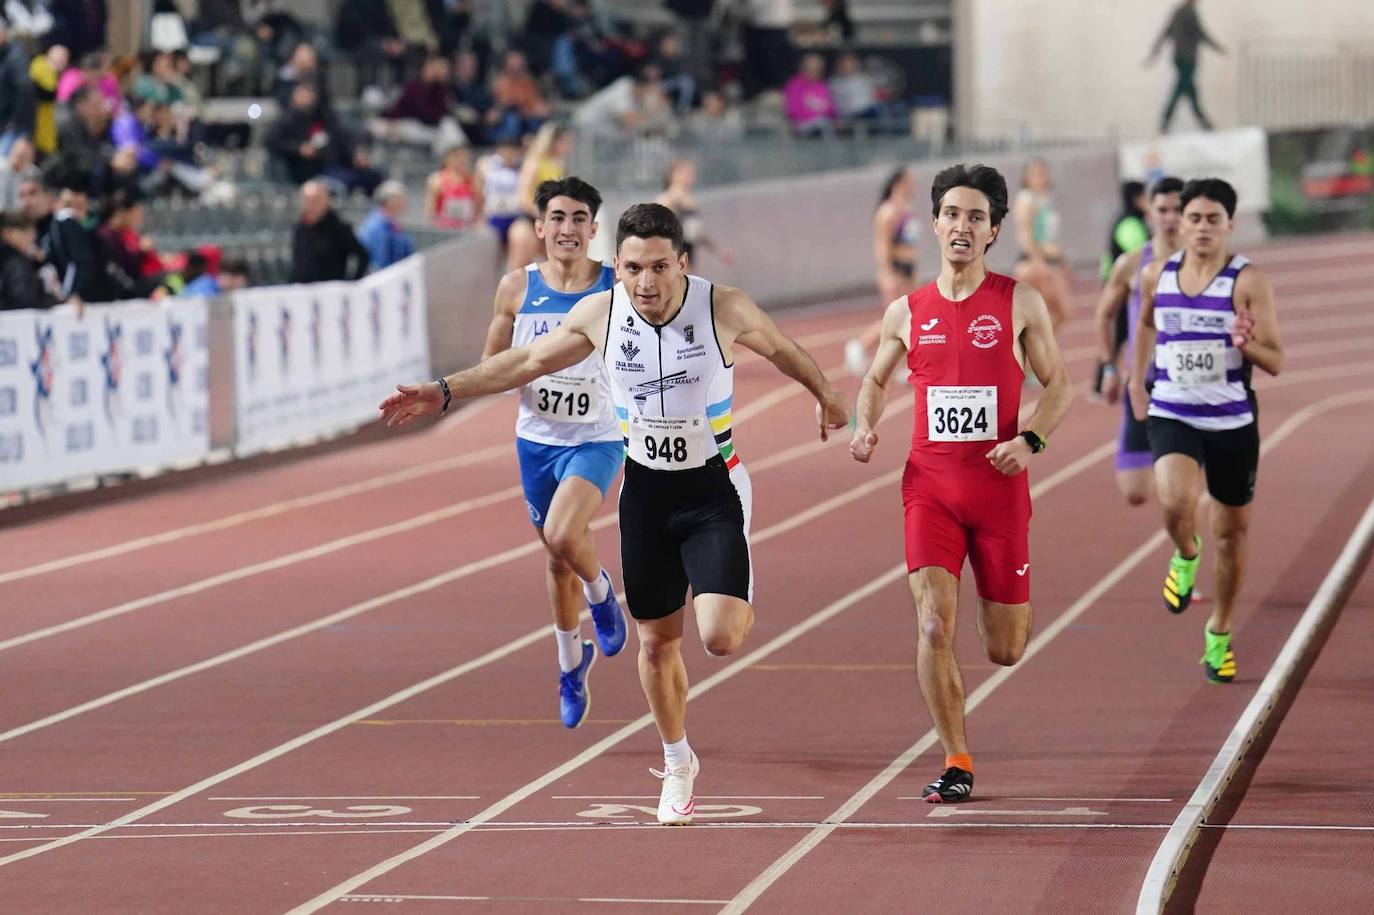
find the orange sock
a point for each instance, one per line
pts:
(959, 761)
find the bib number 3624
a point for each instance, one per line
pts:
(668, 442)
(961, 414)
(566, 398)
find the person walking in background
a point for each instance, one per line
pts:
(452, 197)
(1037, 234)
(1185, 30)
(679, 196)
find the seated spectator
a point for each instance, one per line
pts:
(94, 71)
(810, 106)
(452, 198)
(323, 246)
(71, 247)
(518, 108)
(21, 286)
(715, 122)
(135, 269)
(36, 202)
(13, 169)
(221, 24)
(43, 74)
(421, 114)
(381, 233)
(158, 79)
(678, 82)
(16, 91)
(85, 139)
(370, 32)
(854, 91)
(302, 67)
(233, 275)
(471, 99)
(631, 106)
(307, 138)
(546, 21)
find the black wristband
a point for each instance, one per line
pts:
(448, 395)
(1037, 444)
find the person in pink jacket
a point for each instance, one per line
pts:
(810, 106)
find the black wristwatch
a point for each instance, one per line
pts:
(1037, 444)
(448, 395)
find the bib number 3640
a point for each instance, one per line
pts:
(961, 414)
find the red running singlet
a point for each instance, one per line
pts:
(967, 381)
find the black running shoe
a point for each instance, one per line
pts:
(955, 785)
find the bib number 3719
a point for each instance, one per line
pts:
(961, 414)
(668, 442)
(566, 398)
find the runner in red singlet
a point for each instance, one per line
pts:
(452, 198)
(967, 339)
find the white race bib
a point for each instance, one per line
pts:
(669, 442)
(956, 413)
(566, 398)
(1193, 363)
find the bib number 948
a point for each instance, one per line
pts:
(667, 449)
(668, 442)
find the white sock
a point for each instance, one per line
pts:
(597, 591)
(569, 648)
(677, 754)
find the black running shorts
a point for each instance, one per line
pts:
(1229, 457)
(682, 528)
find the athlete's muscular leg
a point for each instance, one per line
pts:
(936, 591)
(723, 621)
(1230, 529)
(572, 549)
(663, 675)
(1179, 481)
(1005, 629)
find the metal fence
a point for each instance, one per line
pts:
(1285, 87)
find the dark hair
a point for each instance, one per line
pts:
(650, 220)
(575, 188)
(196, 265)
(983, 178)
(80, 94)
(891, 182)
(1213, 189)
(15, 220)
(235, 265)
(1130, 190)
(1167, 185)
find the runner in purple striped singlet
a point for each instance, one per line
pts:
(1206, 319)
(1134, 457)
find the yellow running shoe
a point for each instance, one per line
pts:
(1218, 658)
(1178, 584)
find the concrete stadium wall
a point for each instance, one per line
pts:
(460, 282)
(1073, 67)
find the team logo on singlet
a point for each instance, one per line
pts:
(629, 349)
(984, 331)
(690, 332)
(646, 389)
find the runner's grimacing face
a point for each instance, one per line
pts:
(963, 225)
(1165, 215)
(651, 271)
(566, 229)
(1205, 226)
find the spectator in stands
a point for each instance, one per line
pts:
(71, 246)
(694, 35)
(44, 72)
(678, 82)
(36, 203)
(221, 24)
(366, 32)
(518, 108)
(302, 67)
(307, 138)
(94, 70)
(381, 233)
(453, 21)
(421, 114)
(323, 246)
(158, 79)
(471, 100)
(21, 285)
(30, 20)
(854, 91)
(810, 106)
(547, 22)
(233, 275)
(414, 25)
(134, 266)
(452, 198)
(768, 52)
(16, 91)
(1185, 30)
(14, 168)
(633, 105)
(85, 139)
(715, 122)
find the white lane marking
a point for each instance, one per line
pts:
(750, 894)
(21, 815)
(260, 568)
(398, 897)
(256, 514)
(700, 797)
(1172, 854)
(1090, 800)
(945, 811)
(360, 797)
(897, 573)
(18, 799)
(370, 710)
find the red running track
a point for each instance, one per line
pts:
(331, 680)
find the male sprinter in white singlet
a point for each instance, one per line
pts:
(668, 340)
(1206, 318)
(567, 436)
